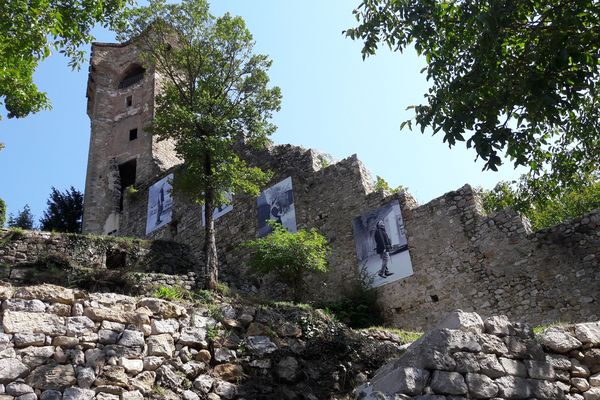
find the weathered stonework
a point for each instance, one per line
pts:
(461, 257)
(80, 345)
(67, 259)
(496, 359)
(114, 111)
(495, 264)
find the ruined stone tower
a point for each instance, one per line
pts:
(120, 104)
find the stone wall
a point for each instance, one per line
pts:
(494, 264)
(461, 257)
(466, 357)
(59, 343)
(325, 198)
(100, 261)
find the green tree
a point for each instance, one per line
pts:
(23, 220)
(382, 184)
(289, 255)
(64, 212)
(2, 213)
(30, 30)
(543, 211)
(519, 77)
(214, 95)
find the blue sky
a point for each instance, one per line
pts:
(332, 101)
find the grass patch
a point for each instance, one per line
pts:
(541, 328)
(223, 289)
(203, 296)
(212, 333)
(405, 336)
(170, 293)
(288, 305)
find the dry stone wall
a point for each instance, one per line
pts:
(85, 260)
(59, 343)
(467, 357)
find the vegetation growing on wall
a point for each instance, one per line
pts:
(543, 211)
(2, 213)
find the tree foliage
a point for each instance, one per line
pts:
(64, 212)
(289, 255)
(214, 95)
(23, 220)
(519, 77)
(382, 184)
(2, 213)
(542, 211)
(30, 30)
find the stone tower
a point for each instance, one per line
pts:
(120, 105)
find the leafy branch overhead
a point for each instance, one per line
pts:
(30, 30)
(514, 77)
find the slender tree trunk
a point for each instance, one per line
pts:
(211, 271)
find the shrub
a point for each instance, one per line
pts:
(358, 309)
(289, 255)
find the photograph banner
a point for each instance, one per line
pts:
(381, 245)
(221, 210)
(277, 203)
(160, 204)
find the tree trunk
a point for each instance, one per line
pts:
(211, 271)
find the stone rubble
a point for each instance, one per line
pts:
(466, 357)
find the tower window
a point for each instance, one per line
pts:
(129, 101)
(133, 74)
(127, 175)
(133, 134)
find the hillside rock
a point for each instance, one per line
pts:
(495, 358)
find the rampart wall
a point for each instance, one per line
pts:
(494, 264)
(461, 257)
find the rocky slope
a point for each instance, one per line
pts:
(60, 343)
(466, 357)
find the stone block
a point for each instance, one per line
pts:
(452, 383)
(481, 386)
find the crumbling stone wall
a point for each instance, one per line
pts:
(461, 257)
(466, 357)
(494, 264)
(69, 259)
(325, 198)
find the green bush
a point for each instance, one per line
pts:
(289, 255)
(357, 309)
